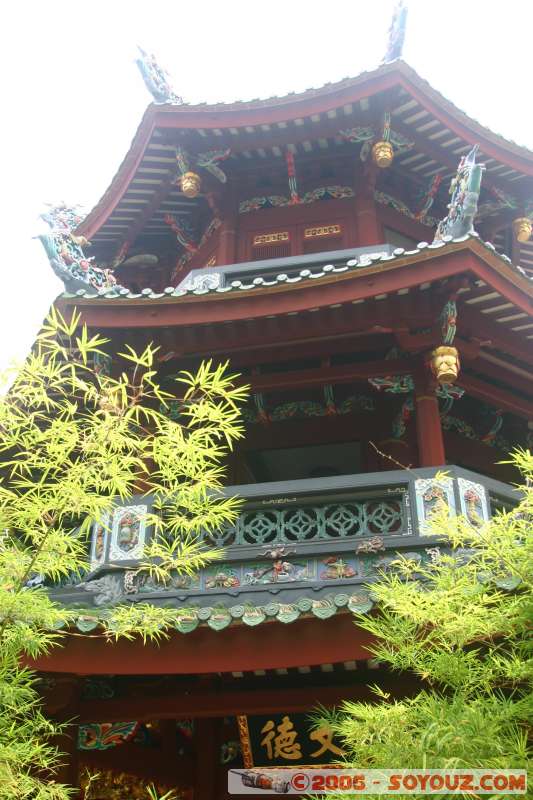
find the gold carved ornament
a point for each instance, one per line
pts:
(522, 229)
(244, 735)
(119, 785)
(190, 184)
(322, 230)
(270, 238)
(382, 154)
(445, 364)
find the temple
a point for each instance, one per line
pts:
(361, 254)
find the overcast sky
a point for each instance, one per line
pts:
(72, 97)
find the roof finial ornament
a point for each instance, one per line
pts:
(396, 33)
(464, 191)
(156, 79)
(65, 252)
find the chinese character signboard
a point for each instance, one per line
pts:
(281, 740)
(271, 238)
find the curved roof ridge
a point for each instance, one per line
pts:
(275, 100)
(343, 83)
(484, 129)
(442, 108)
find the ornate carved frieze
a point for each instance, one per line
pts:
(365, 518)
(104, 735)
(277, 201)
(99, 542)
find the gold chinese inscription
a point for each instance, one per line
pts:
(322, 230)
(271, 238)
(324, 736)
(282, 744)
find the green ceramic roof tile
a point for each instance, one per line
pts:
(218, 618)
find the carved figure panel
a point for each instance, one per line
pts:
(99, 542)
(128, 533)
(222, 577)
(474, 505)
(433, 494)
(279, 571)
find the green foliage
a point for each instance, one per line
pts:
(463, 626)
(152, 794)
(73, 439)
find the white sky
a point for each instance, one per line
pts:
(72, 97)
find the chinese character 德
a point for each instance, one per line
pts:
(285, 744)
(324, 736)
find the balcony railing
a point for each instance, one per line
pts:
(321, 516)
(305, 547)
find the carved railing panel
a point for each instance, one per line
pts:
(327, 537)
(359, 513)
(307, 523)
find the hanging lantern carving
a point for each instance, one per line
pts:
(382, 151)
(190, 184)
(382, 145)
(382, 154)
(522, 228)
(445, 364)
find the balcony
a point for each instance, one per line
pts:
(298, 547)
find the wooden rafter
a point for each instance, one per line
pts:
(494, 396)
(445, 157)
(345, 373)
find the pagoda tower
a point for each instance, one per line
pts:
(361, 253)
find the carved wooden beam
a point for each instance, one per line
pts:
(495, 396)
(238, 648)
(475, 325)
(307, 378)
(445, 157)
(227, 702)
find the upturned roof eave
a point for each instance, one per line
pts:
(511, 282)
(294, 106)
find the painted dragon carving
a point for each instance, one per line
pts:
(396, 33)
(464, 191)
(65, 252)
(156, 79)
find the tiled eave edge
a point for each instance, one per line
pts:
(187, 618)
(328, 91)
(292, 105)
(217, 618)
(367, 264)
(155, 114)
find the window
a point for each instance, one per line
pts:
(273, 250)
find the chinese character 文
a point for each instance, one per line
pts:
(324, 735)
(285, 744)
